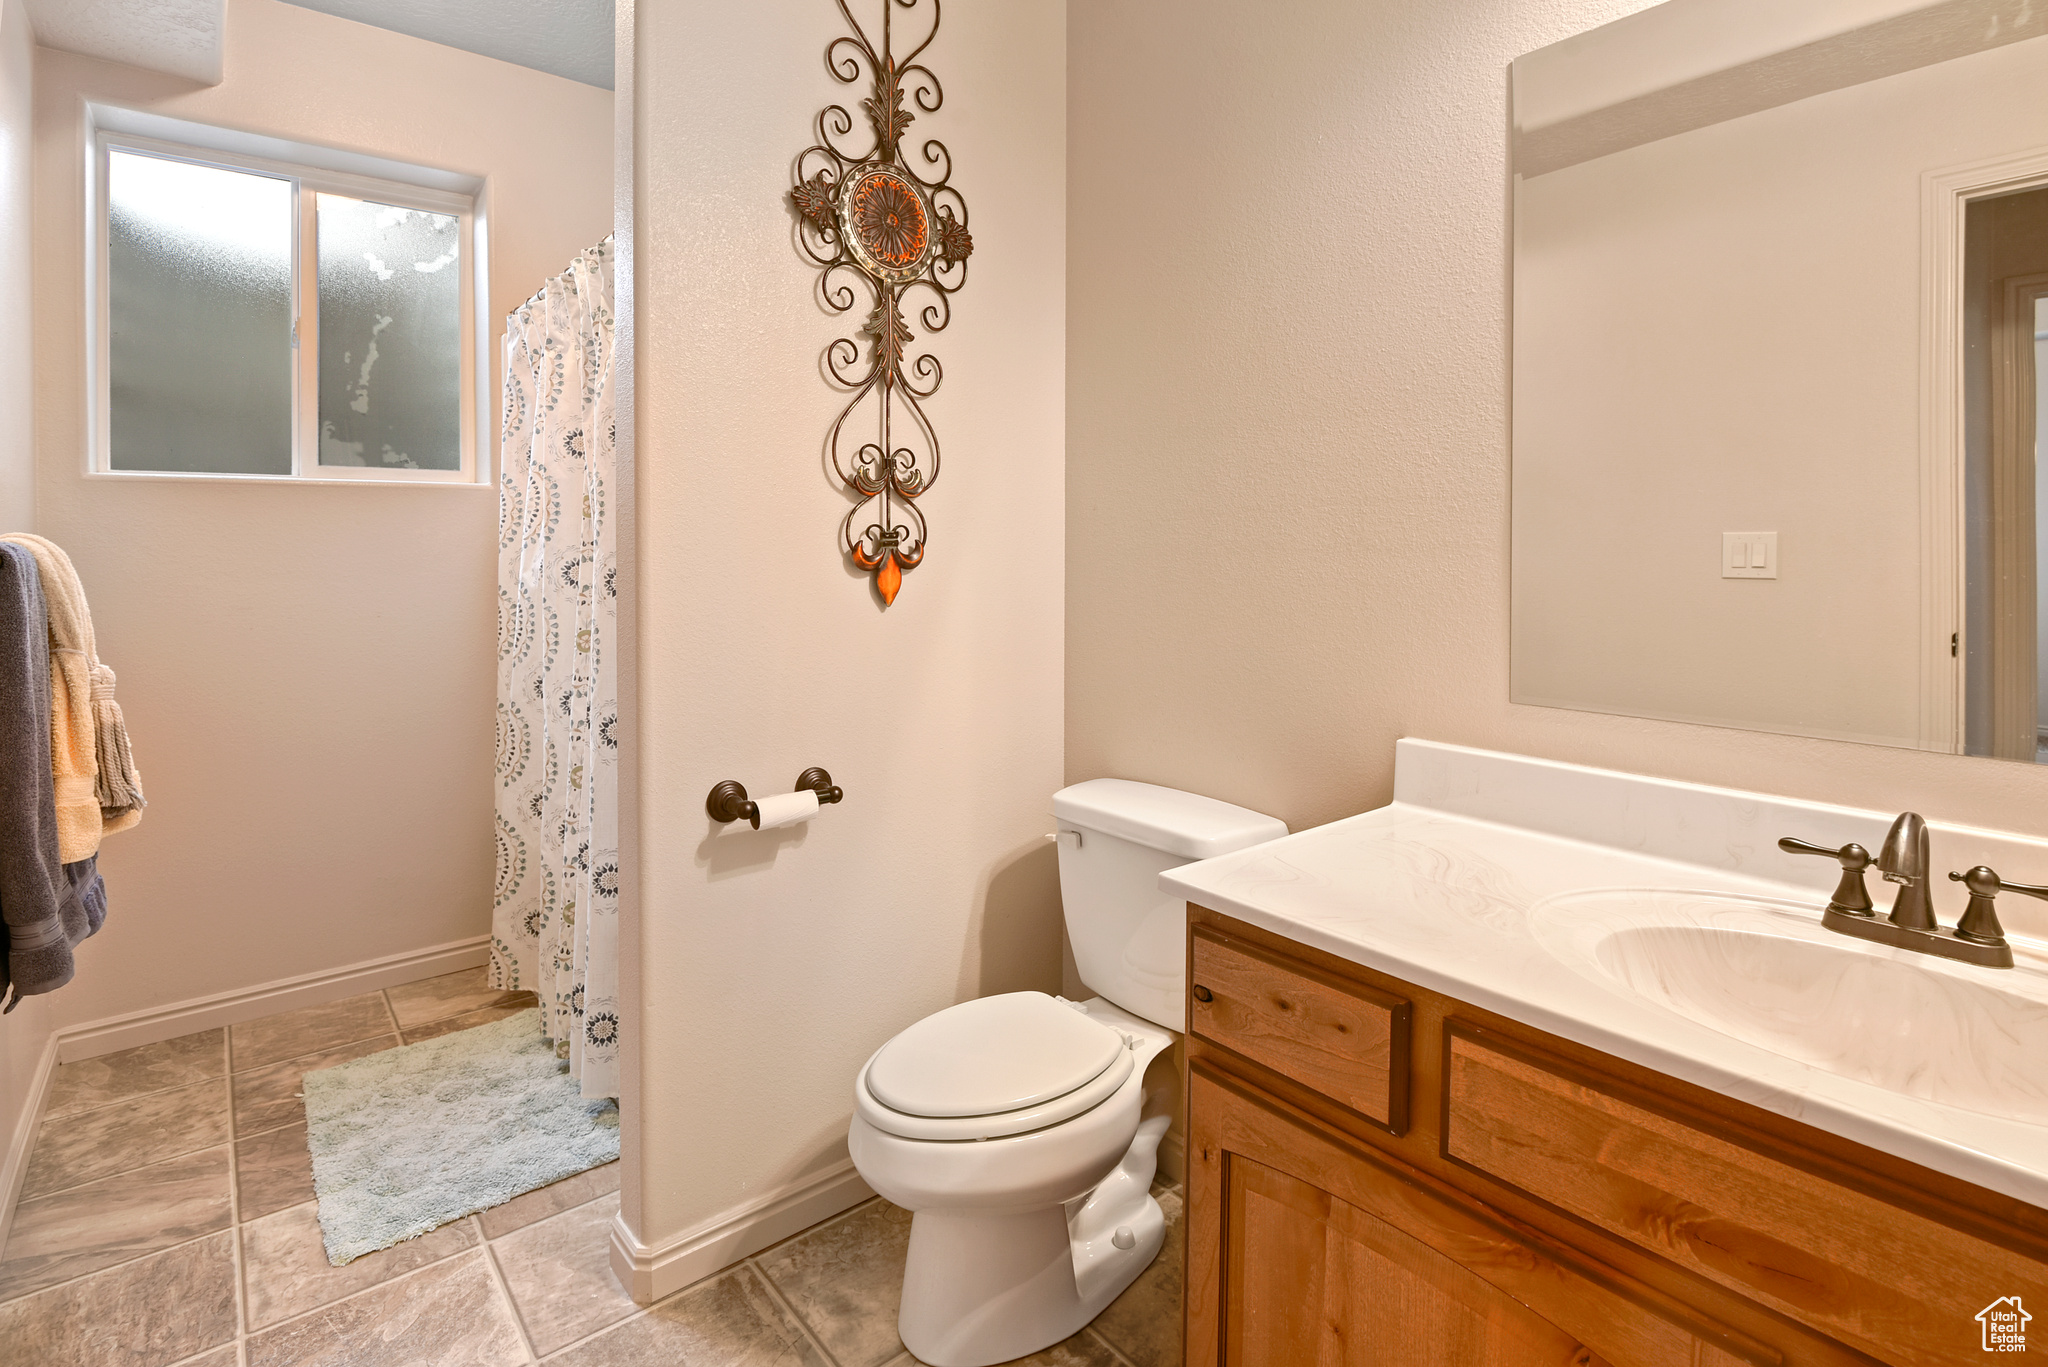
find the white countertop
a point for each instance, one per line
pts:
(1455, 887)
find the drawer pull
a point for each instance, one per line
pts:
(1203, 994)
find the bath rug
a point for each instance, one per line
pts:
(409, 1139)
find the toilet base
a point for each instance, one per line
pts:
(983, 1287)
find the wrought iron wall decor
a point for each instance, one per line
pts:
(898, 225)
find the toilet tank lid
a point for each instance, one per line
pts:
(1165, 819)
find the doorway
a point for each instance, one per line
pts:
(2005, 323)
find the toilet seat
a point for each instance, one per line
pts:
(991, 1067)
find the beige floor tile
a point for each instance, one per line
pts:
(137, 1163)
(482, 1016)
(266, 1098)
(145, 1313)
(285, 1271)
(451, 994)
(134, 1072)
(56, 1238)
(731, 1321)
(87, 1145)
(559, 1271)
(846, 1279)
(551, 1199)
(1144, 1322)
(448, 1315)
(273, 1171)
(294, 1034)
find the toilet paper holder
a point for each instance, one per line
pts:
(728, 800)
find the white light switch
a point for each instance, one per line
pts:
(1749, 555)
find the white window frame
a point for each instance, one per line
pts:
(311, 171)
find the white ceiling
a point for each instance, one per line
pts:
(179, 37)
(571, 38)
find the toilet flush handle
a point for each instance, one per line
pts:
(1078, 842)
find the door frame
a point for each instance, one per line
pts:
(1945, 196)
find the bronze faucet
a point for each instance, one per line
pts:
(1905, 860)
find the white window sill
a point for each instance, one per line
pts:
(325, 482)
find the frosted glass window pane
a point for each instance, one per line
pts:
(199, 299)
(390, 336)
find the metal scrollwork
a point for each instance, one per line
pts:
(894, 222)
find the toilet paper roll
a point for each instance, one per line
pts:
(786, 809)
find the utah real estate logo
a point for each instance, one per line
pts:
(2005, 1325)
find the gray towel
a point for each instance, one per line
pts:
(45, 907)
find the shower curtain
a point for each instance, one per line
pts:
(554, 928)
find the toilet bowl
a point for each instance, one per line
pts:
(1019, 1238)
(1016, 1128)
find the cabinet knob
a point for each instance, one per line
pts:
(1202, 994)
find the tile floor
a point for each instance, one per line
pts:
(167, 1218)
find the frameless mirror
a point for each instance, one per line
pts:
(1780, 320)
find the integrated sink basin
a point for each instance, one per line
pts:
(1767, 973)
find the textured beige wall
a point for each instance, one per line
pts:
(771, 964)
(1287, 497)
(17, 385)
(308, 671)
(25, 1030)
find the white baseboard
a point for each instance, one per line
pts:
(14, 1164)
(651, 1272)
(286, 994)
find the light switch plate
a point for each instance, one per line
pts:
(1749, 555)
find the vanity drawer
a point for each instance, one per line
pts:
(1343, 1039)
(1894, 1283)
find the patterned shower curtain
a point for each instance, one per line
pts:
(554, 930)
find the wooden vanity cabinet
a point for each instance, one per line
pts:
(1381, 1174)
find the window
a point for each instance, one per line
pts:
(262, 318)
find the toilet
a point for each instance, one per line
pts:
(1015, 1128)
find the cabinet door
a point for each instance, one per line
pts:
(1313, 1279)
(1307, 1250)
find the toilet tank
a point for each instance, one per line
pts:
(1116, 837)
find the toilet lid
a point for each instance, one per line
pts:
(994, 1054)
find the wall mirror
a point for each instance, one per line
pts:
(1780, 312)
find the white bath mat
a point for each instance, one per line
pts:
(409, 1139)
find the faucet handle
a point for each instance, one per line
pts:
(1850, 894)
(1853, 857)
(1980, 919)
